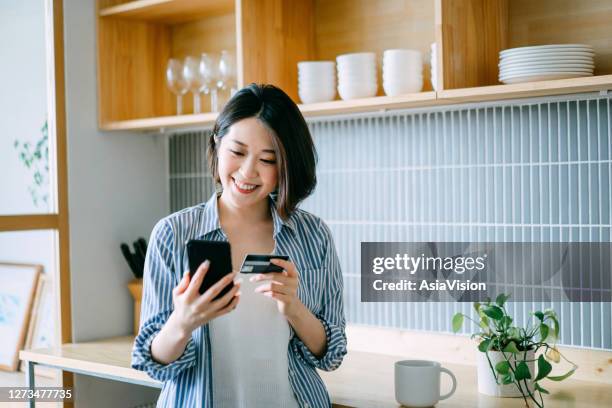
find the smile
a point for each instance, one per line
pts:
(244, 188)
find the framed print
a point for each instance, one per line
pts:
(17, 287)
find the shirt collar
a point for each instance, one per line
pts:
(211, 222)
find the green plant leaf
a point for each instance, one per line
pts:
(564, 376)
(503, 367)
(511, 348)
(501, 299)
(506, 321)
(539, 388)
(539, 315)
(457, 322)
(555, 326)
(484, 323)
(476, 306)
(544, 331)
(484, 345)
(514, 333)
(507, 379)
(544, 368)
(522, 371)
(493, 312)
(553, 355)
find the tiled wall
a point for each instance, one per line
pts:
(536, 170)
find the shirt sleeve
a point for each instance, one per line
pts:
(331, 314)
(159, 278)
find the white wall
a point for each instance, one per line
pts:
(117, 191)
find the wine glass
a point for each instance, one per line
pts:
(208, 74)
(176, 83)
(193, 80)
(227, 72)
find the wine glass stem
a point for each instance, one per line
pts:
(214, 102)
(179, 105)
(197, 108)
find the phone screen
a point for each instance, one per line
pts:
(220, 257)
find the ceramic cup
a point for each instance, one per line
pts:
(417, 383)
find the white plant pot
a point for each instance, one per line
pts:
(486, 381)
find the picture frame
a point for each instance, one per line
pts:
(18, 284)
(41, 330)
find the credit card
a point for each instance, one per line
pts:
(260, 263)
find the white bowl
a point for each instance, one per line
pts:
(402, 53)
(356, 69)
(402, 77)
(357, 82)
(316, 65)
(311, 80)
(355, 91)
(320, 96)
(349, 79)
(401, 73)
(392, 90)
(356, 57)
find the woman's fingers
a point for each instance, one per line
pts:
(231, 306)
(278, 277)
(182, 285)
(225, 299)
(286, 265)
(215, 289)
(274, 287)
(194, 286)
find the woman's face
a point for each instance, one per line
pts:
(247, 163)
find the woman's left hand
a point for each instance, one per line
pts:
(282, 286)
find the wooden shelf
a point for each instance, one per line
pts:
(527, 90)
(168, 11)
(378, 103)
(269, 38)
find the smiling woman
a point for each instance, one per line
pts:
(261, 343)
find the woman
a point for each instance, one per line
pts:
(258, 345)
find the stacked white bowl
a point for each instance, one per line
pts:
(544, 62)
(316, 81)
(357, 75)
(402, 71)
(433, 63)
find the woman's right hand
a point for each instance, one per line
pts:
(192, 309)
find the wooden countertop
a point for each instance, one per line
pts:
(364, 380)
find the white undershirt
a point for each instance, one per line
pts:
(249, 353)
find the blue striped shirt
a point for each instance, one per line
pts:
(188, 380)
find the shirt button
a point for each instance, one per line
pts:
(306, 405)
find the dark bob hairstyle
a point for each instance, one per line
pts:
(296, 156)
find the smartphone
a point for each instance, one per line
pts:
(220, 256)
(260, 263)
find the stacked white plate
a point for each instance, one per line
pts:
(544, 62)
(402, 71)
(316, 81)
(357, 75)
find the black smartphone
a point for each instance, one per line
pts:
(220, 256)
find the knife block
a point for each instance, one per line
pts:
(135, 287)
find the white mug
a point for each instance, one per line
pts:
(417, 383)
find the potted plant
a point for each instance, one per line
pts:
(509, 354)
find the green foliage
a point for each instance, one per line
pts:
(36, 159)
(497, 332)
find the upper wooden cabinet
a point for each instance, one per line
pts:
(269, 38)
